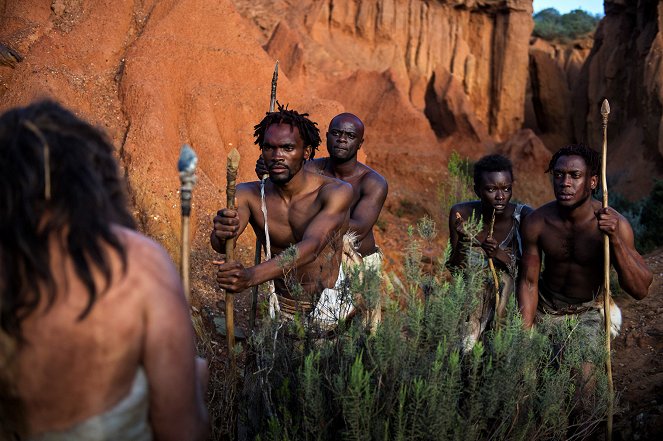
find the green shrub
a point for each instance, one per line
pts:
(409, 380)
(460, 184)
(550, 25)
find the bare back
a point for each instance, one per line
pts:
(73, 369)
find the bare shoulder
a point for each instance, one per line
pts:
(535, 220)
(373, 179)
(248, 188)
(316, 165)
(150, 271)
(335, 189)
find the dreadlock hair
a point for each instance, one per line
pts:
(44, 149)
(491, 163)
(591, 157)
(307, 129)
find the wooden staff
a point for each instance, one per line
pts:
(231, 179)
(605, 111)
(256, 260)
(491, 265)
(186, 165)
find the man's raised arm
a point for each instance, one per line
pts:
(634, 275)
(530, 267)
(373, 194)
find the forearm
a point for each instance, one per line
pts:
(634, 275)
(361, 228)
(528, 299)
(276, 267)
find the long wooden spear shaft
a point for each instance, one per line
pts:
(256, 260)
(491, 265)
(605, 111)
(231, 180)
(186, 165)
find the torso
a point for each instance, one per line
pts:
(573, 252)
(85, 373)
(288, 221)
(503, 227)
(357, 180)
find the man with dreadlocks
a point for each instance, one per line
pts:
(568, 234)
(307, 214)
(96, 340)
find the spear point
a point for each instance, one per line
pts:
(605, 107)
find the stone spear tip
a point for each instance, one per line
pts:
(233, 159)
(605, 107)
(188, 159)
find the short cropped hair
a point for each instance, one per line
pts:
(591, 157)
(307, 129)
(491, 163)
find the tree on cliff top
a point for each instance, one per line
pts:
(550, 25)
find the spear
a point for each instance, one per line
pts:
(491, 265)
(605, 111)
(186, 165)
(256, 260)
(231, 180)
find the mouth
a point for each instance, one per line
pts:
(499, 206)
(564, 196)
(278, 168)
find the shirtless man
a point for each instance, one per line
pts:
(493, 184)
(568, 233)
(96, 337)
(345, 137)
(306, 210)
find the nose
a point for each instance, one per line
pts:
(499, 195)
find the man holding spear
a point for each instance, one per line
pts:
(568, 232)
(308, 215)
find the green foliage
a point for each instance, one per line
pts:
(550, 25)
(410, 380)
(460, 184)
(644, 215)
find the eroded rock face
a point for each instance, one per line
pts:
(154, 75)
(626, 67)
(554, 71)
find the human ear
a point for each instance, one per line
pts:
(594, 182)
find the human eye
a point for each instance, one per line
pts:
(577, 175)
(508, 189)
(351, 135)
(490, 189)
(334, 132)
(558, 174)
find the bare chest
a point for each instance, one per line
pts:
(573, 245)
(287, 220)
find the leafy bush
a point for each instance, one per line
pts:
(644, 215)
(409, 380)
(460, 184)
(550, 25)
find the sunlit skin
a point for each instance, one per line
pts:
(569, 233)
(494, 191)
(345, 137)
(305, 209)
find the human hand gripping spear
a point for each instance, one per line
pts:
(605, 111)
(256, 261)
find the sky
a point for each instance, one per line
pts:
(564, 6)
